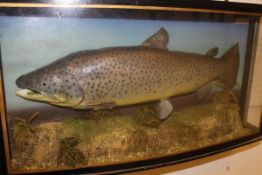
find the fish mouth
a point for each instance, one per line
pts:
(38, 96)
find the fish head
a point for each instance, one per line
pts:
(49, 86)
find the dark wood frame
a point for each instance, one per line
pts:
(165, 9)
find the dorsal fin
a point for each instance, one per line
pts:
(212, 52)
(158, 39)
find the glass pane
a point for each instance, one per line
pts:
(90, 91)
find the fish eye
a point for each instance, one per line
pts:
(44, 84)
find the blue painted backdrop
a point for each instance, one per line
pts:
(28, 43)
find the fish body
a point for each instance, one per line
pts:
(120, 76)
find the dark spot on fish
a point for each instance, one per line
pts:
(44, 84)
(98, 95)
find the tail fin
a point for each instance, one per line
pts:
(231, 61)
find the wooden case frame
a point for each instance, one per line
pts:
(253, 91)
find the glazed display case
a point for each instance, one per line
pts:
(118, 86)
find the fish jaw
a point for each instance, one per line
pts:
(54, 99)
(39, 96)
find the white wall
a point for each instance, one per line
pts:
(246, 160)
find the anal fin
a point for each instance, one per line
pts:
(208, 89)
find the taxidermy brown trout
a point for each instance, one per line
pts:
(120, 76)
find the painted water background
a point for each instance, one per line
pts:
(28, 43)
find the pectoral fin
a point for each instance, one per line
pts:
(105, 106)
(166, 108)
(102, 106)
